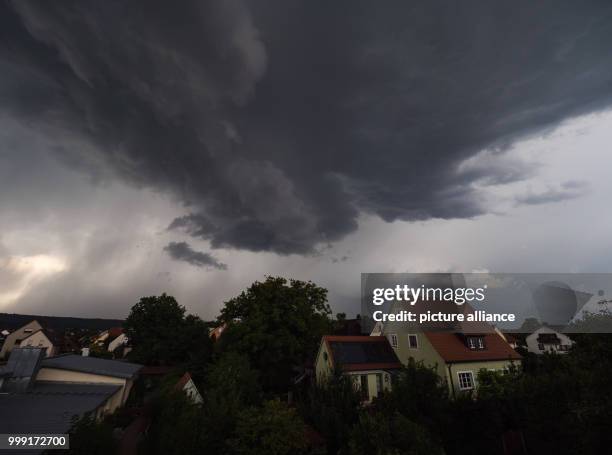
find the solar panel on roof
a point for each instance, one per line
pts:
(352, 352)
(23, 365)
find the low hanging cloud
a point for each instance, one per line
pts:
(277, 125)
(181, 251)
(567, 191)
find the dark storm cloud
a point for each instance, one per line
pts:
(181, 251)
(277, 122)
(568, 190)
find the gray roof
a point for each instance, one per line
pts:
(21, 368)
(49, 408)
(362, 352)
(93, 365)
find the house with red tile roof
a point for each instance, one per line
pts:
(368, 360)
(458, 351)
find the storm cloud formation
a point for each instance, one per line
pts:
(181, 251)
(276, 123)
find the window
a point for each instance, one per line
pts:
(466, 380)
(379, 384)
(393, 339)
(476, 343)
(27, 330)
(413, 342)
(541, 346)
(365, 396)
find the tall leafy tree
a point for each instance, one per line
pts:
(274, 429)
(278, 325)
(160, 333)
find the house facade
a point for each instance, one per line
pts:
(14, 338)
(547, 339)
(118, 341)
(369, 362)
(42, 339)
(457, 353)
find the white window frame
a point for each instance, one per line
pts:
(393, 340)
(481, 343)
(471, 374)
(416, 339)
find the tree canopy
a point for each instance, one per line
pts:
(278, 325)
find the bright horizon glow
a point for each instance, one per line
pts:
(28, 271)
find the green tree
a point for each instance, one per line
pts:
(176, 428)
(418, 393)
(230, 386)
(380, 434)
(332, 408)
(160, 333)
(274, 429)
(88, 436)
(278, 324)
(152, 328)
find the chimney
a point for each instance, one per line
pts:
(85, 352)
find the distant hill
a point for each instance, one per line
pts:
(14, 321)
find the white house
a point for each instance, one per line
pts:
(547, 339)
(120, 340)
(14, 339)
(187, 385)
(45, 339)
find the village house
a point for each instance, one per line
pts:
(547, 339)
(458, 352)
(47, 339)
(369, 361)
(186, 384)
(45, 393)
(14, 338)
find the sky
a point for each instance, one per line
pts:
(194, 148)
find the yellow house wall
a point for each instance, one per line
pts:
(424, 352)
(324, 369)
(430, 357)
(372, 389)
(454, 368)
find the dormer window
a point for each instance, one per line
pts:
(393, 340)
(476, 343)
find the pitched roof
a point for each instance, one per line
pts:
(49, 407)
(93, 365)
(360, 353)
(21, 369)
(452, 348)
(114, 332)
(183, 381)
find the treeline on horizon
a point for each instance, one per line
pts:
(256, 403)
(12, 321)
